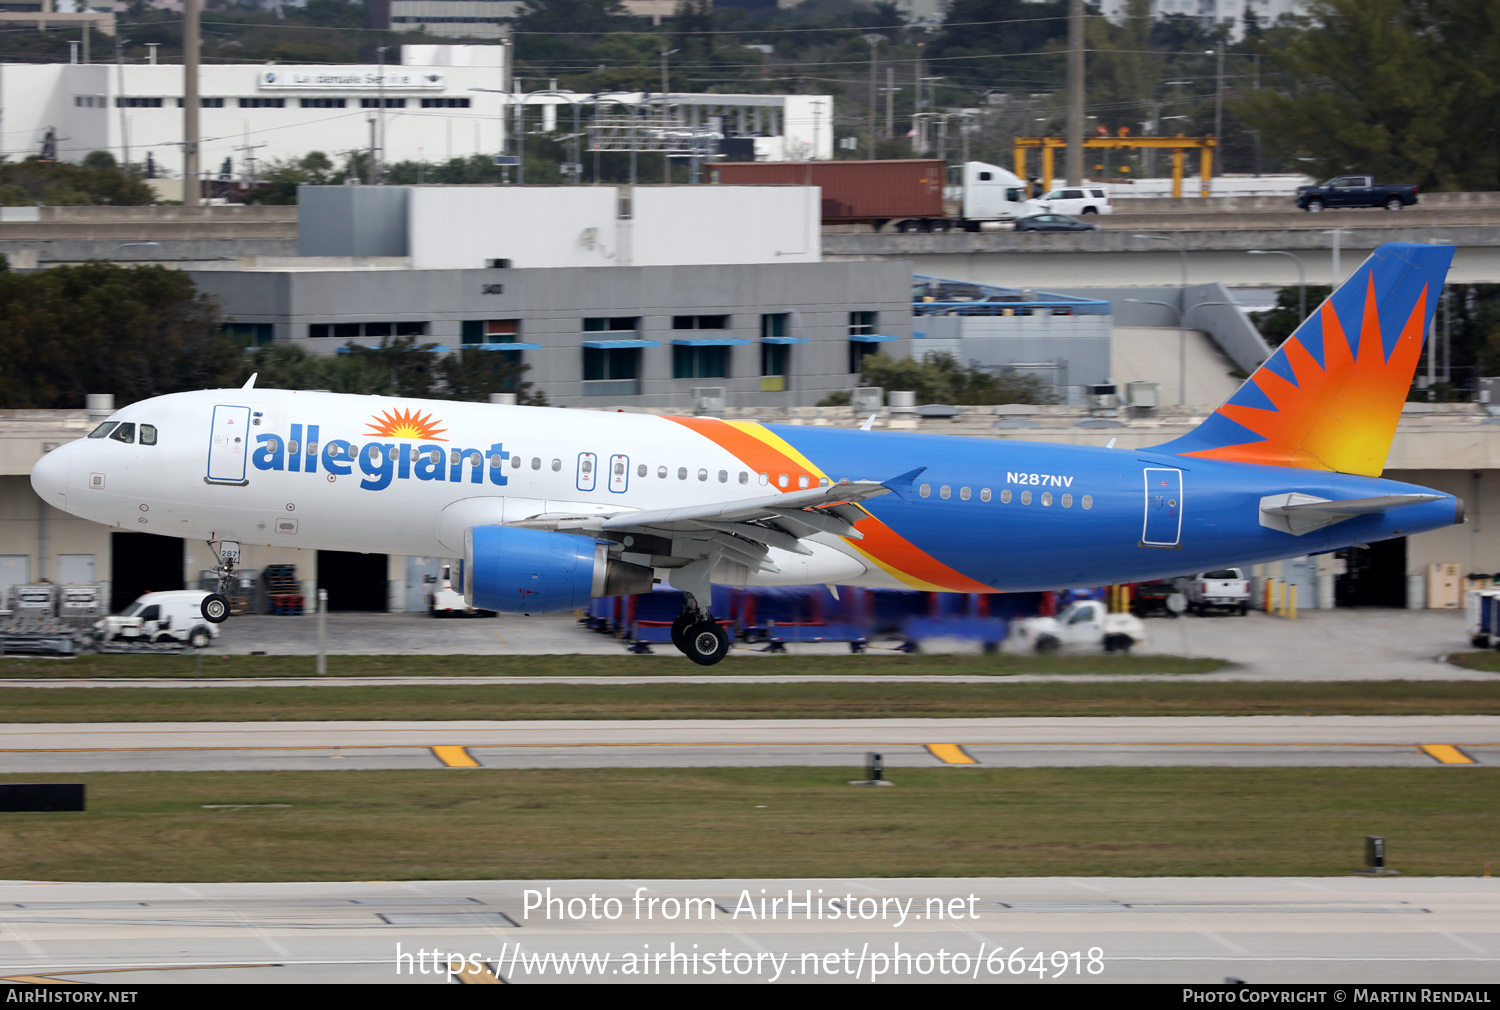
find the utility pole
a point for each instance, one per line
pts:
(119, 97)
(919, 142)
(190, 103)
(874, 41)
(890, 101)
(666, 158)
(1075, 93)
(1219, 108)
(377, 159)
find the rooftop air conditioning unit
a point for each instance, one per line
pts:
(867, 398)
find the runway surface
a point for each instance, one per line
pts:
(1180, 930)
(1252, 741)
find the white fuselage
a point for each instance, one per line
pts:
(398, 476)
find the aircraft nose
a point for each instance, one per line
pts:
(49, 478)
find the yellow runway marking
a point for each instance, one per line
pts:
(1446, 754)
(486, 975)
(455, 757)
(950, 754)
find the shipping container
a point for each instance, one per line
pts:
(854, 192)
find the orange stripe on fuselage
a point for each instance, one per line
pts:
(768, 453)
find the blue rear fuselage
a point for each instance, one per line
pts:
(1111, 527)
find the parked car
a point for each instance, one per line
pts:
(1354, 191)
(1083, 624)
(1221, 589)
(1078, 200)
(1162, 596)
(1053, 222)
(161, 617)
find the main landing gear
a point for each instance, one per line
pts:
(700, 638)
(215, 606)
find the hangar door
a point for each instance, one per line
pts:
(354, 581)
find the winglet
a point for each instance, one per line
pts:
(250, 382)
(901, 485)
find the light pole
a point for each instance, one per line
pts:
(1336, 233)
(1301, 278)
(1182, 331)
(874, 40)
(1182, 300)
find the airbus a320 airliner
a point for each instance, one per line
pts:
(547, 508)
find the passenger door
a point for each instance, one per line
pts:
(228, 445)
(1163, 525)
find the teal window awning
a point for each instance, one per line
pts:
(503, 347)
(708, 342)
(871, 338)
(783, 340)
(612, 345)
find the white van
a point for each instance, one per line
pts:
(445, 601)
(161, 617)
(1078, 200)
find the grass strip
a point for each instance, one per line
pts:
(1488, 661)
(758, 822)
(214, 666)
(823, 700)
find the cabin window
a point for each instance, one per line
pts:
(945, 492)
(723, 476)
(1046, 497)
(1088, 501)
(1067, 501)
(984, 494)
(925, 490)
(1025, 497)
(641, 470)
(556, 465)
(782, 481)
(702, 474)
(1005, 496)
(536, 462)
(682, 473)
(765, 479)
(661, 472)
(802, 480)
(965, 493)
(515, 462)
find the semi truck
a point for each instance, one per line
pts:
(910, 194)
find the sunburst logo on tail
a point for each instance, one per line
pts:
(1329, 398)
(409, 424)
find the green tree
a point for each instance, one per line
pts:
(97, 181)
(1401, 89)
(399, 367)
(939, 378)
(1281, 322)
(473, 374)
(137, 332)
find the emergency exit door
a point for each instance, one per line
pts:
(229, 445)
(1163, 525)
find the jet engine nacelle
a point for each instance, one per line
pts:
(536, 572)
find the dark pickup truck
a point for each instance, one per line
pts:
(1354, 191)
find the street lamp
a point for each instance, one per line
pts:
(1301, 278)
(1181, 328)
(1337, 233)
(1182, 331)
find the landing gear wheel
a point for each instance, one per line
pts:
(706, 643)
(200, 638)
(215, 608)
(680, 629)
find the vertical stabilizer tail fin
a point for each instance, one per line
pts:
(1330, 396)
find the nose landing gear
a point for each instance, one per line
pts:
(215, 606)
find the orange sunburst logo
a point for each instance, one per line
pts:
(406, 424)
(1340, 415)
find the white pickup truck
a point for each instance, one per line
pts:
(1221, 589)
(1084, 623)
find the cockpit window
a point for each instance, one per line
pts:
(124, 433)
(103, 429)
(148, 434)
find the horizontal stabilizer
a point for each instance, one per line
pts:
(1298, 513)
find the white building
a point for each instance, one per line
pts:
(1211, 12)
(439, 102)
(266, 111)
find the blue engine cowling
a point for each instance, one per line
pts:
(536, 572)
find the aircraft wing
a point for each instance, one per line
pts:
(1298, 513)
(742, 530)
